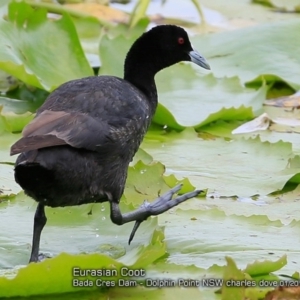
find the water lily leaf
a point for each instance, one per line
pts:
(7, 82)
(218, 17)
(3, 124)
(238, 284)
(171, 180)
(159, 294)
(284, 127)
(282, 5)
(84, 229)
(219, 129)
(8, 187)
(78, 227)
(197, 100)
(283, 207)
(262, 122)
(56, 275)
(114, 47)
(238, 167)
(271, 55)
(135, 293)
(143, 156)
(259, 268)
(7, 139)
(186, 276)
(164, 269)
(140, 257)
(231, 272)
(146, 182)
(236, 14)
(286, 102)
(165, 118)
(15, 122)
(274, 137)
(178, 271)
(247, 239)
(18, 106)
(27, 34)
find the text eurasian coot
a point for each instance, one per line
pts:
(78, 147)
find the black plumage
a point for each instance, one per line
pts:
(82, 139)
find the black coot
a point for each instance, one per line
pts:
(79, 145)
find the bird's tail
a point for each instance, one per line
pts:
(30, 174)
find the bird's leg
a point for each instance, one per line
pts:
(157, 207)
(39, 223)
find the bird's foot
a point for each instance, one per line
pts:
(41, 257)
(161, 205)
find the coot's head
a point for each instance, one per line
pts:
(161, 47)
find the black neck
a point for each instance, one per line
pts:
(141, 64)
(143, 80)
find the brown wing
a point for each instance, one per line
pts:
(54, 128)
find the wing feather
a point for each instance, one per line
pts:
(54, 128)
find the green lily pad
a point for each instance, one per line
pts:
(7, 139)
(134, 293)
(232, 273)
(84, 229)
(143, 156)
(200, 232)
(208, 235)
(258, 54)
(283, 206)
(282, 5)
(218, 17)
(18, 106)
(14, 122)
(115, 45)
(22, 45)
(7, 82)
(144, 182)
(8, 186)
(58, 275)
(274, 137)
(238, 284)
(187, 187)
(259, 268)
(238, 167)
(196, 100)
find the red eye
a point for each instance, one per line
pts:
(180, 41)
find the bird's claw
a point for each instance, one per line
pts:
(162, 204)
(134, 229)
